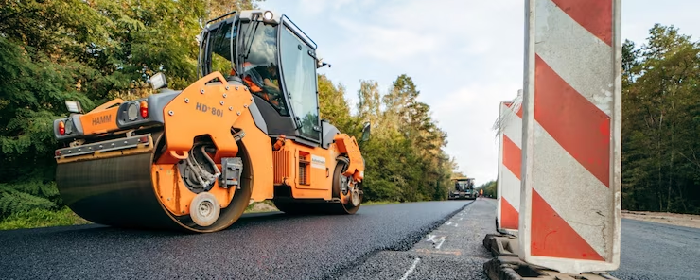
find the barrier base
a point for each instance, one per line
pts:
(506, 265)
(501, 244)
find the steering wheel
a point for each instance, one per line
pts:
(275, 95)
(256, 77)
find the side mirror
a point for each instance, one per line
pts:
(74, 107)
(157, 81)
(366, 131)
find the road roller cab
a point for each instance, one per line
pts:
(247, 131)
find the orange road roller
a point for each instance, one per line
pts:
(247, 131)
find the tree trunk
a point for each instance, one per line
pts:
(658, 164)
(670, 172)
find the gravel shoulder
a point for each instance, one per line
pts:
(686, 220)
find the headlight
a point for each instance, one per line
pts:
(267, 15)
(73, 107)
(69, 127)
(132, 111)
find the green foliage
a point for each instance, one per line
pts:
(30, 95)
(490, 189)
(39, 217)
(334, 106)
(19, 199)
(660, 123)
(404, 158)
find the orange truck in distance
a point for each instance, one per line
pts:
(194, 159)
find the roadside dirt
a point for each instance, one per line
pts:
(262, 207)
(686, 220)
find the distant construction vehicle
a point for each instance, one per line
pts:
(194, 159)
(463, 189)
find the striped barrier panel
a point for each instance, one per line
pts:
(570, 195)
(510, 123)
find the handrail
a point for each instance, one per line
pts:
(297, 27)
(221, 16)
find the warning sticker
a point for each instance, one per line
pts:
(318, 162)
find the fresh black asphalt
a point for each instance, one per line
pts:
(433, 240)
(454, 250)
(262, 246)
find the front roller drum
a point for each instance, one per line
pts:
(118, 191)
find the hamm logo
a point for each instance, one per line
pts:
(101, 120)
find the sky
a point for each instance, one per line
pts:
(463, 55)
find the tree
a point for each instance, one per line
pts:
(660, 150)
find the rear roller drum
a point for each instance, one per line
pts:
(349, 194)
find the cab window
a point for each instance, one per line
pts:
(260, 68)
(219, 50)
(300, 80)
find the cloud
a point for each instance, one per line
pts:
(641, 16)
(392, 32)
(318, 7)
(380, 42)
(468, 114)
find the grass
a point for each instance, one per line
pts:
(41, 218)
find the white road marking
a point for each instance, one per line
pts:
(456, 224)
(441, 242)
(410, 270)
(431, 238)
(448, 223)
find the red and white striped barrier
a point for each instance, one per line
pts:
(570, 200)
(510, 124)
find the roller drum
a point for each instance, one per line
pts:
(113, 191)
(118, 191)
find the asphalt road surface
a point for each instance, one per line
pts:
(262, 246)
(435, 240)
(652, 251)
